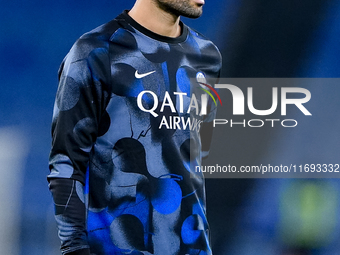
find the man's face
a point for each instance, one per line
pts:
(186, 8)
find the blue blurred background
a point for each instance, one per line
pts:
(257, 38)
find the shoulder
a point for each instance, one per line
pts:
(96, 40)
(209, 52)
(91, 48)
(202, 40)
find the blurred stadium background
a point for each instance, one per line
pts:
(257, 38)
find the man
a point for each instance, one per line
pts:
(121, 129)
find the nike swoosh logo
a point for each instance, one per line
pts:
(139, 76)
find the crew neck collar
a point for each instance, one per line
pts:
(147, 32)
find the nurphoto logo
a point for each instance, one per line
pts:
(289, 97)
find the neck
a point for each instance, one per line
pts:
(150, 16)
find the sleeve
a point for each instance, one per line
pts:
(69, 208)
(206, 133)
(207, 126)
(80, 103)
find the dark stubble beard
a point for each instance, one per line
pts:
(180, 8)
